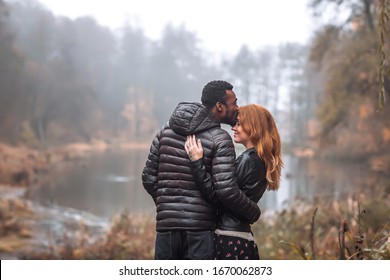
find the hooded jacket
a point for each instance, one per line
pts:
(168, 178)
(251, 178)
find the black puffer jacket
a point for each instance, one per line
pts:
(167, 175)
(251, 178)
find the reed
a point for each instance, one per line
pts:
(355, 228)
(336, 230)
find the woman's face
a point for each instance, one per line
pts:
(240, 135)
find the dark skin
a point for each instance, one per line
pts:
(227, 113)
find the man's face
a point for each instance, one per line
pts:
(231, 108)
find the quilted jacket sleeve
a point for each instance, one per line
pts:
(150, 171)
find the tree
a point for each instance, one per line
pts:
(11, 79)
(346, 54)
(383, 19)
(178, 71)
(361, 15)
(295, 79)
(244, 71)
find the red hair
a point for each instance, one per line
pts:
(259, 124)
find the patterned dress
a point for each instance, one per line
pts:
(234, 245)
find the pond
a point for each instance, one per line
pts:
(106, 183)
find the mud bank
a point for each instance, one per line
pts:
(29, 229)
(22, 166)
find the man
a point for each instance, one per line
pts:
(185, 220)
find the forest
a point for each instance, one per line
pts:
(73, 80)
(65, 81)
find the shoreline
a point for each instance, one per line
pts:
(22, 166)
(26, 226)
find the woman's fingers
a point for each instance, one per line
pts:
(193, 148)
(196, 144)
(189, 144)
(199, 144)
(186, 147)
(193, 142)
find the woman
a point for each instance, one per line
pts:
(258, 168)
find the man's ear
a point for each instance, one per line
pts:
(219, 107)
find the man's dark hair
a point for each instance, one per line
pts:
(215, 91)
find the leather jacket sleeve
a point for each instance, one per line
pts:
(251, 173)
(222, 185)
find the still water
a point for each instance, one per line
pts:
(107, 183)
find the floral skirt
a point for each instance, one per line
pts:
(234, 248)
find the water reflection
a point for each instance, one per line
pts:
(105, 184)
(309, 178)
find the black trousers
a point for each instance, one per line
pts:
(184, 245)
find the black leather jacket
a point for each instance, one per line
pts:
(167, 174)
(251, 178)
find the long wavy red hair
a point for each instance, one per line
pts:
(259, 124)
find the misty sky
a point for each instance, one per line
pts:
(221, 25)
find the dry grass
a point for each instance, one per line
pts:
(328, 230)
(130, 237)
(23, 166)
(13, 233)
(357, 228)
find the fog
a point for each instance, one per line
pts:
(81, 100)
(70, 79)
(75, 79)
